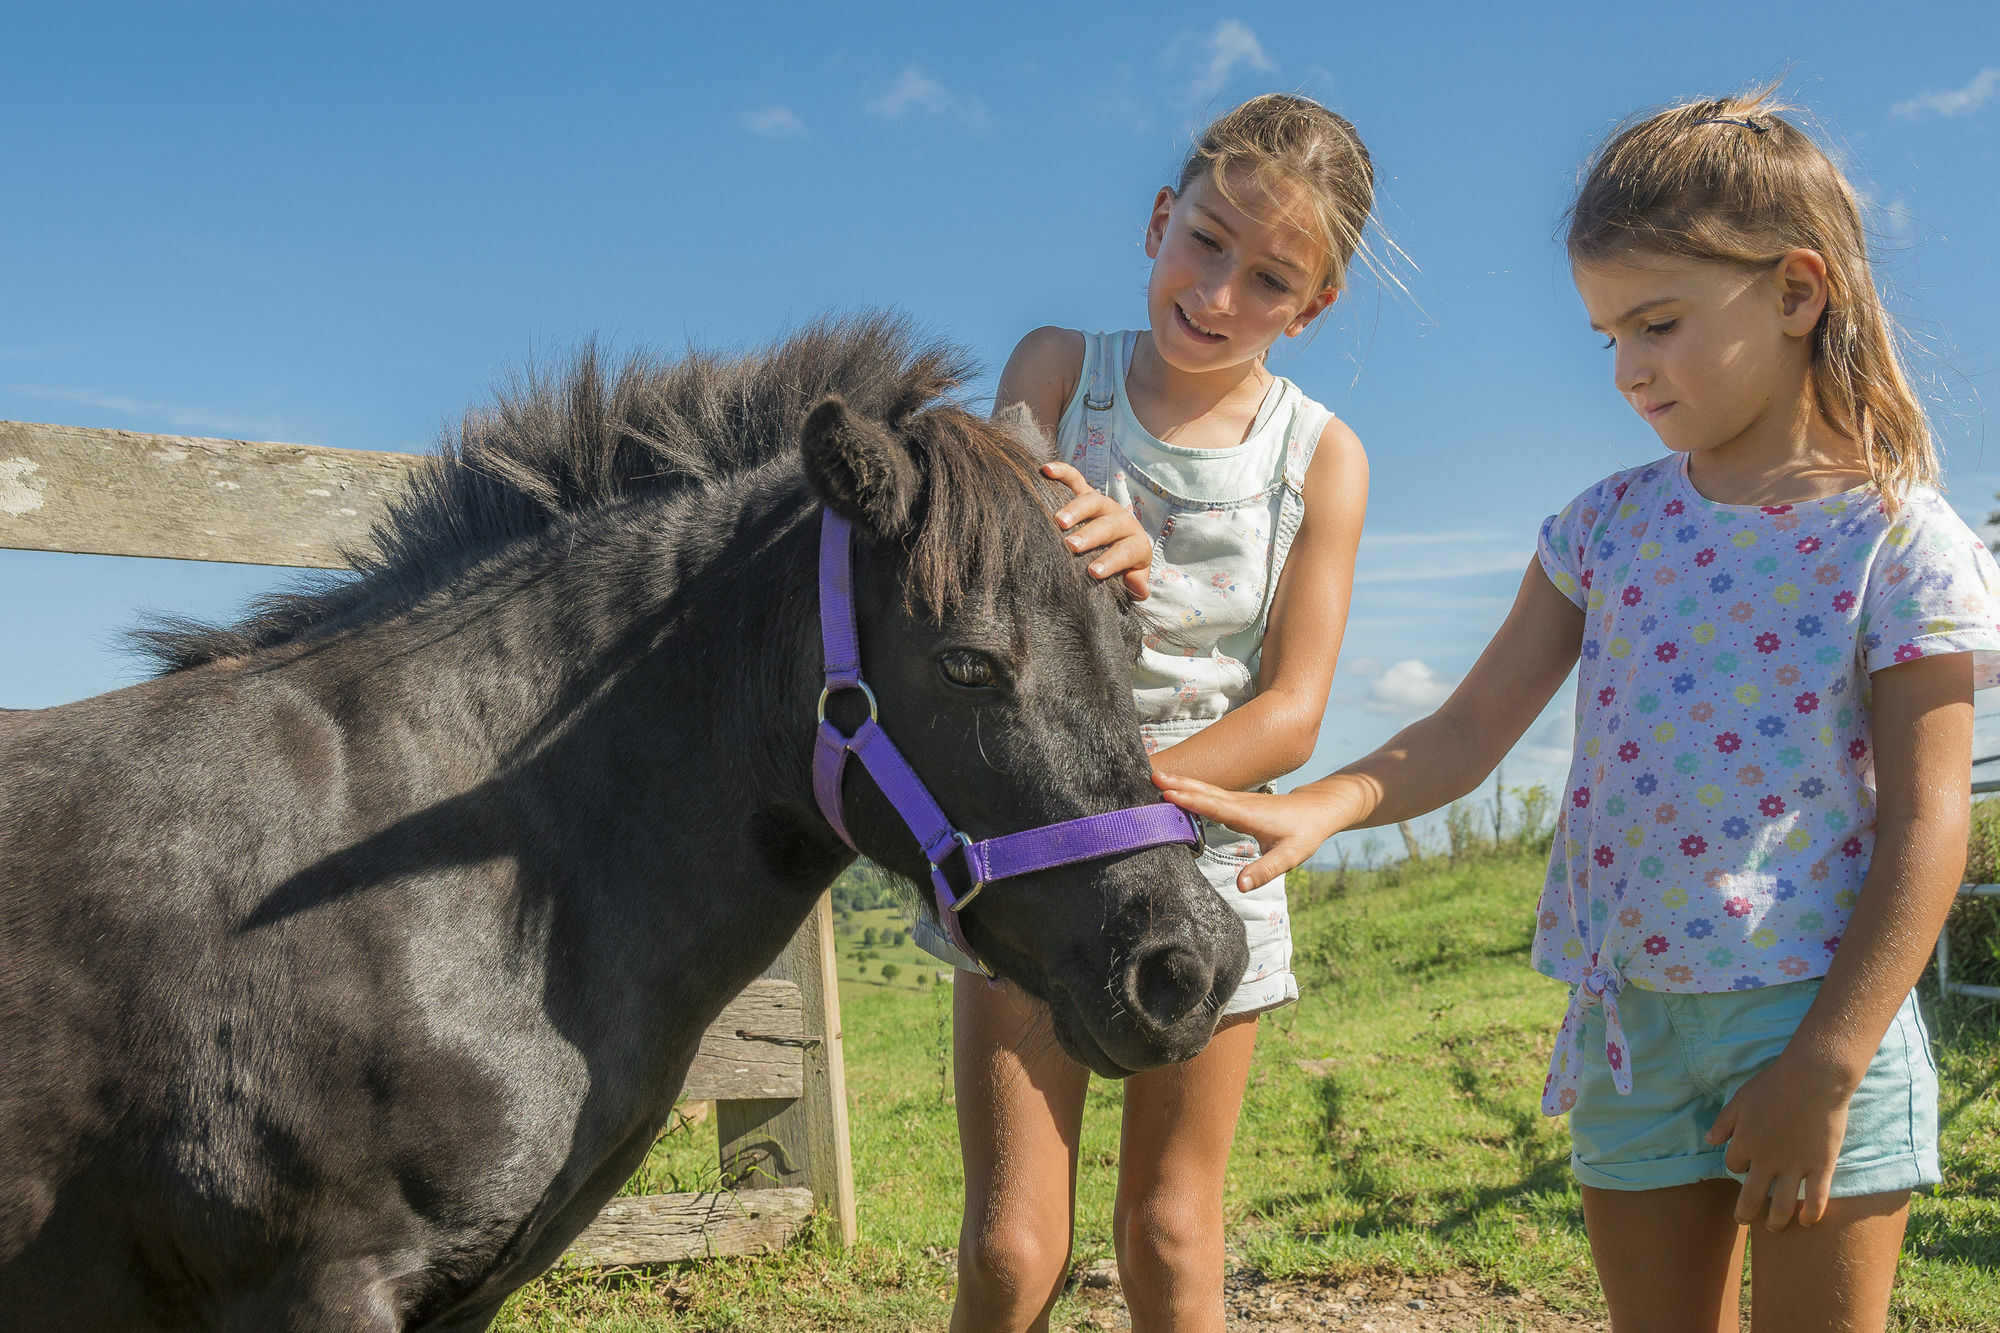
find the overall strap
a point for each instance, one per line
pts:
(1102, 363)
(1308, 422)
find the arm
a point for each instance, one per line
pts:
(1273, 733)
(1041, 376)
(1785, 1126)
(1429, 763)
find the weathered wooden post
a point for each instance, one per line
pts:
(772, 1063)
(774, 1143)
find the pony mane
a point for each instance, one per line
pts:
(553, 446)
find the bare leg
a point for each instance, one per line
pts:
(1670, 1260)
(1179, 1123)
(1835, 1274)
(1020, 1115)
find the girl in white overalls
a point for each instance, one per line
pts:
(1202, 474)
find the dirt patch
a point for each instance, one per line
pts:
(1379, 1303)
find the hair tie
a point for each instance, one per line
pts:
(1755, 127)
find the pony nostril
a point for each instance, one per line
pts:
(1168, 984)
(1228, 980)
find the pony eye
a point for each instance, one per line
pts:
(967, 669)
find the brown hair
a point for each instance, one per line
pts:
(1730, 180)
(1282, 137)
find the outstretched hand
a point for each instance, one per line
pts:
(1784, 1130)
(1094, 520)
(1287, 828)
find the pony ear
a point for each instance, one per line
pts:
(862, 472)
(1018, 421)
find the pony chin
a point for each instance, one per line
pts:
(1094, 1050)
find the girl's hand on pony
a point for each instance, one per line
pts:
(1287, 828)
(1094, 520)
(1784, 1129)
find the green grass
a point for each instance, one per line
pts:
(1411, 1138)
(1391, 1124)
(860, 977)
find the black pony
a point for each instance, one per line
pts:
(350, 965)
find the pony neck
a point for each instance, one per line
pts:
(623, 723)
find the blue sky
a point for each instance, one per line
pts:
(339, 224)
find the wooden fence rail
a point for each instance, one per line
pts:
(772, 1063)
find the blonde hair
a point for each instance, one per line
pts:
(1287, 139)
(1729, 179)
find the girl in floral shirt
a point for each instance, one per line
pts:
(1778, 630)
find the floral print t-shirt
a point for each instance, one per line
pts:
(1719, 814)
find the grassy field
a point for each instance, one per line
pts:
(861, 964)
(1391, 1125)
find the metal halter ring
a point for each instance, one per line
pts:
(873, 714)
(965, 849)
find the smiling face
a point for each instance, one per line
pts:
(1231, 278)
(1710, 354)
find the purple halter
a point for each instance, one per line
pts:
(985, 861)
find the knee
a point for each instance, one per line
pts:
(1013, 1264)
(1161, 1241)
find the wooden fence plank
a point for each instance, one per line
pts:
(770, 1062)
(663, 1228)
(115, 492)
(771, 1144)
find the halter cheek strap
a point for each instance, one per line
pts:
(1044, 848)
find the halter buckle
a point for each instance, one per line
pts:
(965, 850)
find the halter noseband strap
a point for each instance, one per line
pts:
(987, 860)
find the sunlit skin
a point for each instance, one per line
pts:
(1228, 282)
(1716, 358)
(1229, 279)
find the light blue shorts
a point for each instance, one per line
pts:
(1268, 982)
(1691, 1052)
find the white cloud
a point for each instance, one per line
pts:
(913, 89)
(1407, 688)
(1365, 667)
(156, 414)
(1219, 56)
(1119, 100)
(1977, 512)
(771, 121)
(1892, 219)
(1896, 218)
(1551, 739)
(1953, 101)
(1405, 557)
